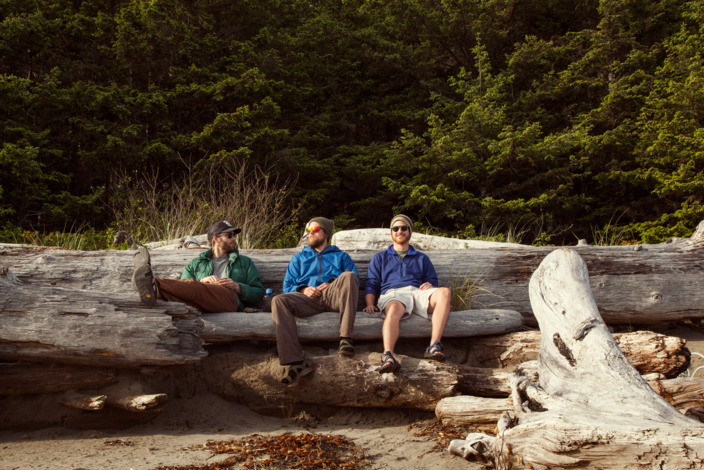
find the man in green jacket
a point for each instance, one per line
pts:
(219, 280)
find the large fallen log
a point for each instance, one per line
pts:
(336, 381)
(592, 408)
(483, 412)
(69, 326)
(232, 326)
(647, 351)
(631, 284)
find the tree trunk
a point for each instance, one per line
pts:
(69, 326)
(233, 326)
(336, 381)
(592, 408)
(483, 412)
(631, 284)
(647, 351)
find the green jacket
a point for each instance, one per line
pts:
(240, 269)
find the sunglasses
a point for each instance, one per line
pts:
(402, 228)
(228, 235)
(312, 229)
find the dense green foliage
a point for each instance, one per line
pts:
(545, 117)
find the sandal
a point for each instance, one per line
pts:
(389, 363)
(434, 352)
(346, 347)
(295, 371)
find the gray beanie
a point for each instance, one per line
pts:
(405, 219)
(326, 224)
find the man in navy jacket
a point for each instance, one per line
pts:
(404, 281)
(321, 278)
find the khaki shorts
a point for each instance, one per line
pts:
(415, 300)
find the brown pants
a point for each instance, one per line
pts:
(208, 298)
(341, 296)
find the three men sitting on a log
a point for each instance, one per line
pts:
(321, 278)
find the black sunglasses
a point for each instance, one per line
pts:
(229, 235)
(402, 228)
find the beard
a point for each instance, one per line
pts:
(316, 242)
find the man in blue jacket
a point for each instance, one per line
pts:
(321, 278)
(219, 280)
(404, 281)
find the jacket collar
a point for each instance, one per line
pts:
(328, 249)
(208, 254)
(411, 250)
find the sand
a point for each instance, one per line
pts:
(184, 423)
(169, 439)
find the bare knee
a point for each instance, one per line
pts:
(395, 310)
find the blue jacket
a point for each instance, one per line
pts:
(388, 271)
(310, 268)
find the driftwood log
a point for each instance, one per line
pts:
(631, 284)
(336, 381)
(591, 407)
(70, 326)
(233, 326)
(483, 412)
(647, 351)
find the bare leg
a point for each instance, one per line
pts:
(390, 330)
(439, 306)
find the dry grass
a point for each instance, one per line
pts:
(151, 209)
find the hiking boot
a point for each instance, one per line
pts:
(143, 278)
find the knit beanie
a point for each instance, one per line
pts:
(326, 224)
(405, 219)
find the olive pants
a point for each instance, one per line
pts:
(341, 296)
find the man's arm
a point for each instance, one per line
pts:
(348, 265)
(189, 272)
(429, 274)
(252, 289)
(292, 274)
(372, 284)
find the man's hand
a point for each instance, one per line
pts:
(370, 309)
(312, 292)
(425, 286)
(210, 280)
(230, 284)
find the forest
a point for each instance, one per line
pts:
(539, 121)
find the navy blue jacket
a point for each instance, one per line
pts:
(310, 268)
(388, 271)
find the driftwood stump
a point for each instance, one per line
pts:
(591, 407)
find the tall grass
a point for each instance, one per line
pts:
(82, 238)
(152, 210)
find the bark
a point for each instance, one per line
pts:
(69, 326)
(233, 326)
(138, 403)
(482, 413)
(28, 378)
(336, 381)
(591, 407)
(84, 402)
(631, 284)
(647, 351)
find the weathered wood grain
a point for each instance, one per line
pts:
(233, 326)
(70, 326)
(591, 407)
(631, 284)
